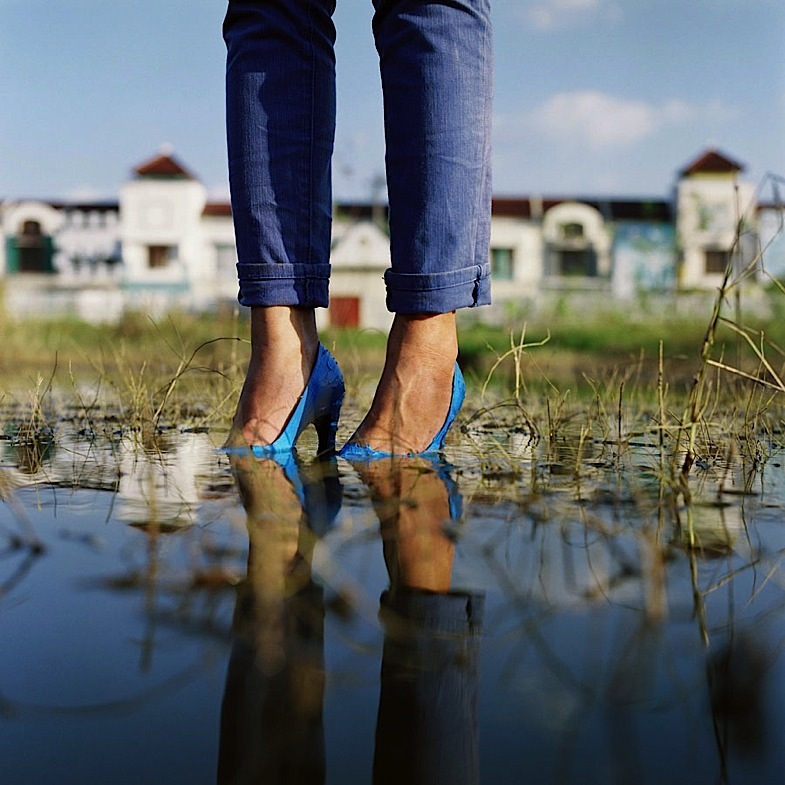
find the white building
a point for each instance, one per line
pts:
(713, 204)
(164, 245)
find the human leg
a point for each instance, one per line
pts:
(414, 392)
(284, 344)
(436, 67)
(280, 109)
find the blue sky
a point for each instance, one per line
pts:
(593, 97)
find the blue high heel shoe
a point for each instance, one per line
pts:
(362, 452)
(319, 404)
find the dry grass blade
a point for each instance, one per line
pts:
(516, 351)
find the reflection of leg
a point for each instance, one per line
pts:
(280, 104)
(427, 729)
(271, 716)
(271, 722)
(427, 725)
(412, 503)
(436, 70)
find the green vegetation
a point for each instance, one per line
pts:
(574, 353)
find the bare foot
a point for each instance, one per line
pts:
(284, 343)
(413, 397)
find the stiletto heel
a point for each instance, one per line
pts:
(362, 452)
(320, 405)
(326, 428)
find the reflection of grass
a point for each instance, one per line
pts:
(601, 376)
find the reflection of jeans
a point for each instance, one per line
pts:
(427, 730)
(271, 718)
(436, 75)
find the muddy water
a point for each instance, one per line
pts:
(524, 613)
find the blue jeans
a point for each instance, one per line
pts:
(436, 67)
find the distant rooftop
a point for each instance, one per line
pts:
(163, 165)
(712, 162)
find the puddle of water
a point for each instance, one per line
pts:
(504, 618)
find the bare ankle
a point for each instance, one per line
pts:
(424, 335)
(283, 331)
(414, 392)
(284, 346)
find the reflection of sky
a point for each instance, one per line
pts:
(92, 688)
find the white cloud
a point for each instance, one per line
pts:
(557, 14)
(597, 120)
(594, 117)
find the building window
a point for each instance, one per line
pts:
(577, 262)
(33, 249)
(502, 264)
(717, 262)
(571, 252)
(571, 231)
(159, 255)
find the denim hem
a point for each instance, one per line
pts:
(436, 615)
(438, 292)
(301, 285)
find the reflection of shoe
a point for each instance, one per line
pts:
(362, 452)
(454, 497)
(316, 485)
(319, 404)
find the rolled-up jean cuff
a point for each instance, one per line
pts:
(435, 615)
(300, 285)
(438, 292)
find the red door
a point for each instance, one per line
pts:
(344, 311)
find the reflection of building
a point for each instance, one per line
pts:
(163, 244)
(162, 487)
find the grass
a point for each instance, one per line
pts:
(36, 347)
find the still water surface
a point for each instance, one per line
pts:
(173, 614)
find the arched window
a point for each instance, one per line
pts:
(574, 238)
(34, 249)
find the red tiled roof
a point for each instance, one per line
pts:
(611, 209)
(217, 210)
(163, 165)
(512, 207)
(712, 162)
